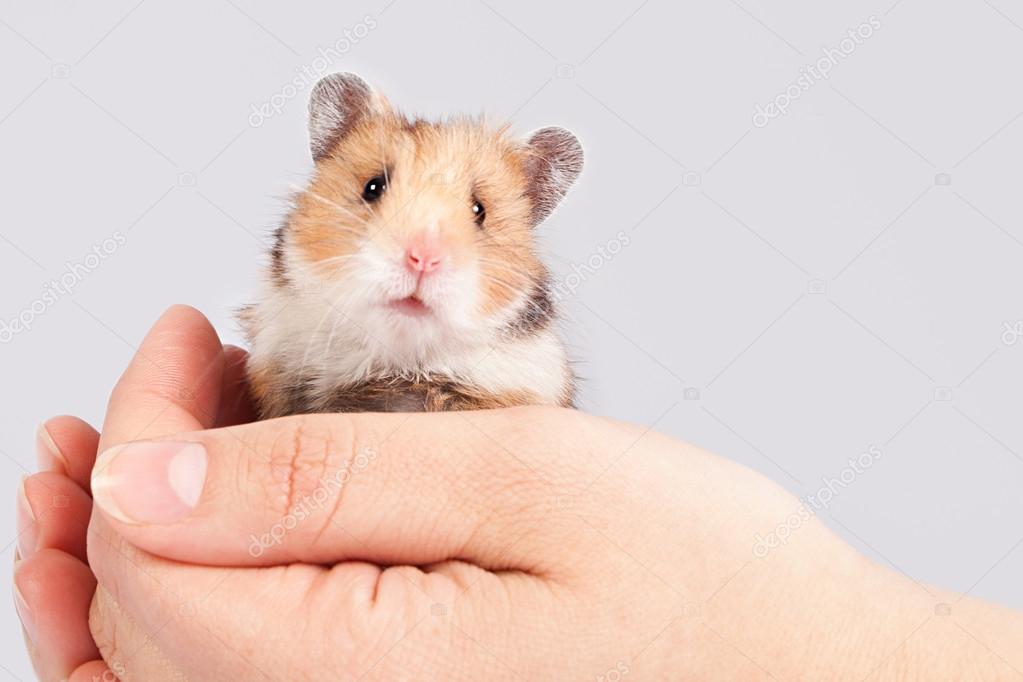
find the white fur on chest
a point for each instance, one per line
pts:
(329, 346)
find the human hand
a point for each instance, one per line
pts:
(53, 584)
(474, 545)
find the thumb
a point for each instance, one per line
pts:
(382, 488)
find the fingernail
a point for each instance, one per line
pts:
(149, 481)
(48, 455)
(24, 613)
(28, 529)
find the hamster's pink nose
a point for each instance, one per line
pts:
(423, 258)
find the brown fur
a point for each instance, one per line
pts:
(270, 391)
(437, 165)
(402, 395)
(278, 396)
(434, 173)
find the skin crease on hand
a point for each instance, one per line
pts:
(526, 543)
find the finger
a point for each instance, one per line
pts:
(52, 592)
(54, 508)
(173, 382)
(131, 650)
(235, 402)
(192, 613)
(67, 445)
(53, 513)
(197, 623)
(382, 488)
(354, 614)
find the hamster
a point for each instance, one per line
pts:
(405, 277)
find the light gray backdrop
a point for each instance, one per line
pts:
(796, 288)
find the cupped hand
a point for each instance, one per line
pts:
(484, 545)
(53, 584)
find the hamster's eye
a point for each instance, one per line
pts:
(374, 188)
(478, 211)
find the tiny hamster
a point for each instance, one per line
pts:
(406, 277)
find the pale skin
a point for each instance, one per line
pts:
(531, 543)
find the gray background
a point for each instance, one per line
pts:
(838, 279)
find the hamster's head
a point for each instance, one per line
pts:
(420, 236)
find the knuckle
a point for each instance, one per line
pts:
(300, 458)
(398, 605)
(520, 468)
(555, 446)
(552, 461)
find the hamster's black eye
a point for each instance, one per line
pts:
(478, 211)
(374, 188)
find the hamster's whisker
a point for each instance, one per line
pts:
(326, 263)
(388, 237)
(502, 267)
(506, 276)
(337, 206)
(366, 204)
(344, 235)
(322, 269)
(330, 337)
(503, 281)
(309, 347)
(332, 259)
(507, 284)
(383, 162)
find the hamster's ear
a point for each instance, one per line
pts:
(554, 159)
(337, 103)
